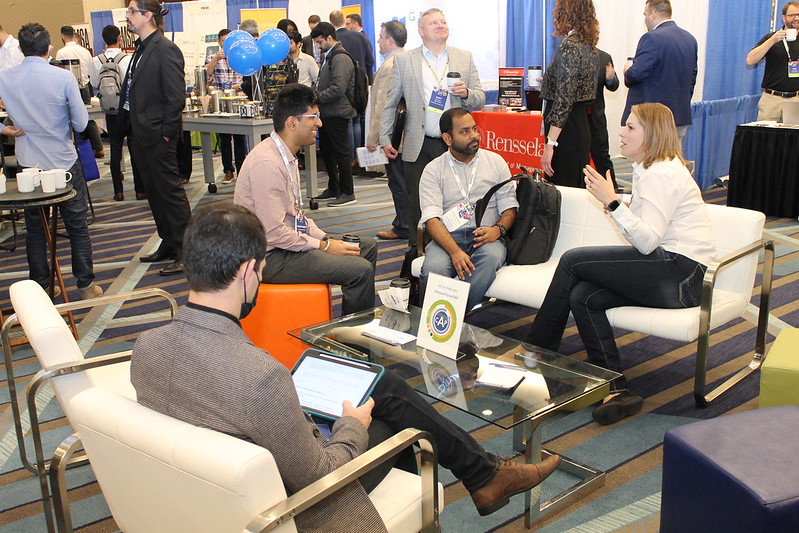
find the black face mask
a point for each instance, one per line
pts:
(247, 307)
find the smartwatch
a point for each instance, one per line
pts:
(612, 206)
(502, 231)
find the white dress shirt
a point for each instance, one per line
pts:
(73, 50)
(667, 210)
(96, 65)
(434, 76)
(10, 54)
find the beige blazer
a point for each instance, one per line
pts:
(377, 97)
(406, 81)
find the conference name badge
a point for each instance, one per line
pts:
(442, 315)
(438, 99)
(457, 217)
(793, 69)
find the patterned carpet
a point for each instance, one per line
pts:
(631, 452)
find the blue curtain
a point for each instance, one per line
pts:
(525, 32)
(100, 19)
(174, 19)
(709, 139)
(734, 28)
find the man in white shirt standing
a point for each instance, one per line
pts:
(113, 54)
(306, 65)
(10, 54)
(73, 50)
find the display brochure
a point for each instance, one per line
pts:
(442, 315)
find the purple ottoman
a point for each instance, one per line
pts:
(736, 473)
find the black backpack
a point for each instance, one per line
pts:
(360, 98)
(532, 237)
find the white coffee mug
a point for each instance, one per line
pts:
(25, 182)
(34, 172)
(48, 180)
(790, 34)
(2, 183)
(61, 178)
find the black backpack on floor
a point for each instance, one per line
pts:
(532, 237)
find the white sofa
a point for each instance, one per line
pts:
(738, 234)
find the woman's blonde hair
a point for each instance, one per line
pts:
(660, 133)
(578, 16)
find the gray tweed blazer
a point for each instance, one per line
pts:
(202, 368)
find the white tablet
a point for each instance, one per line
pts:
(323, 381)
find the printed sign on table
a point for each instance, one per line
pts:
(442, 315)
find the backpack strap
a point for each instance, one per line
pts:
(103, 59)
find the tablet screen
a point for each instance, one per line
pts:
(323, 381)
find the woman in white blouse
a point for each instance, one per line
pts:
(672, 243)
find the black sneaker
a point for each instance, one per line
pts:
(342, 200)
(326, 195)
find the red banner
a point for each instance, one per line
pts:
(515, 136)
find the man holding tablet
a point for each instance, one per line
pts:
(202, 368)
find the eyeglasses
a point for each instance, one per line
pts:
(792, 15)
(131, 11)
(314, 116)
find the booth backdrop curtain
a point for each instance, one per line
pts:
(173, 21)
(525, 33)
(734, 28)
(100, 19)
(234, 8)
(708, 141)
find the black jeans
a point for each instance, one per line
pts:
(335, 147)
(399, 407)
(591, 280)
(73, 213)
(239, 151)
(116, 137)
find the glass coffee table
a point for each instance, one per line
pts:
(512, 385)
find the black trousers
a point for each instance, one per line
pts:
(431, 148)
(335, 147)
(238, 152)
(184, 155)
(158, 166)
(600, 147)
(574, 147)
(117, 139)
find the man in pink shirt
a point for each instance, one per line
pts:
(298, 251)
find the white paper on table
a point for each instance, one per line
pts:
(395, 298)
(370, 159)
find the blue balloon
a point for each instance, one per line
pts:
(274, 46)
(244, 58)
(234, 37)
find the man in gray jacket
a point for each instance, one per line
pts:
(202, 368)
(420, 77)
(336, 89)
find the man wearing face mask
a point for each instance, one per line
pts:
(202, 368)
(449, 189)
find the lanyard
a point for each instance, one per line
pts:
(468, 190)
(289, 168)
(785, 43)
(436, 76)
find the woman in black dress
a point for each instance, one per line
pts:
(569, 87)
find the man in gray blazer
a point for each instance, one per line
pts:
(420, 77)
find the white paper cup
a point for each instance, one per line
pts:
(452, 79)
(2, 184)
(790, 34)
(25, 182)
(48, 180)
(61, 178)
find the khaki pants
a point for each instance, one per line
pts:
(770, 106)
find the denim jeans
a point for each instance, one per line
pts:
(590, 280)
(401, 407)
(486, 259)
(73, 213)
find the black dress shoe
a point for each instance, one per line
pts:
(118, 196)
(141, 195)
(158, 256)
(327, 194)
(617, 408)
(175, 267)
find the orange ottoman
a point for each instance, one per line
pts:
(281, 308)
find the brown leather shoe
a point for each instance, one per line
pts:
(118, 196)
(511, 479)
(388, 235)
(229, 176)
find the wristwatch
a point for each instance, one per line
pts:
(612, 206)
(502, 231)
(551, 142)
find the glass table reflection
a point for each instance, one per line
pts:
(540, 382)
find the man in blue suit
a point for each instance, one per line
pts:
(664, 67)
